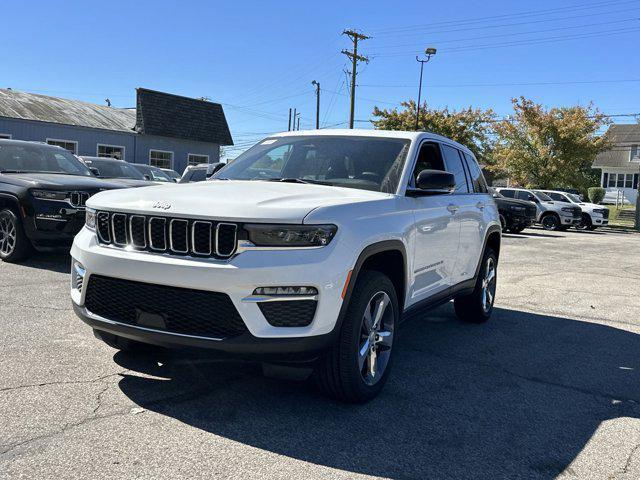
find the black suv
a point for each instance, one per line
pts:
(515, 215)
(43, 190)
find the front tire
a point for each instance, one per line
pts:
(357, 367)
(550, 222)
(478, 306)
(14, 244)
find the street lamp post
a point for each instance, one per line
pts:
(429, 52)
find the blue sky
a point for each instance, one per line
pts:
(258, 58)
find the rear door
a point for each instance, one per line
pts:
(467, 214)
(475, 221)
(436, 231)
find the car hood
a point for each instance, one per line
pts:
(55, 181)
(513, 201)
(131, 182)
(249, 201)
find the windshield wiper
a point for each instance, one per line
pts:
(13, 171)
(297, 180)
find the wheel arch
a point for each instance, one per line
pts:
(12, 202)
(388, 257)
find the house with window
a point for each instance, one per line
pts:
(620, 166)
(164, 130)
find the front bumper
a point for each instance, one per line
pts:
(53, 227)
(324, 268)
(566, 220)
(518, 221)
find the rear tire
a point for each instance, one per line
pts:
(14, 244)
(550, 222)
(357, 367)
(517, 229)
(121, 343)
(478, 306)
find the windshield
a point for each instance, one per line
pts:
(115, 169)
(154, 173)
(35, 158)
(543, 197)
(353, 162)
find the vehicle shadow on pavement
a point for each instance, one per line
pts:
(56, 262)
(519, 397)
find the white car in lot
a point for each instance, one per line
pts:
(309, 248)
(551, 214)
(593, 215)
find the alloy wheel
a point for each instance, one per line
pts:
(7, 236)
(376, 338)
(489, 285)
(549, 222)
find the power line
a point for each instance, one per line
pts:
(529, 32)
(555, 39)
(518, 84)
(533, 13)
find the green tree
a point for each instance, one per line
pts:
(470, 127)
(543, 148)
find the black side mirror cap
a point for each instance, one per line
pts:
(95, 171)
(433, 182)
(147, 177)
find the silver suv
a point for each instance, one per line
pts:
(551, 214)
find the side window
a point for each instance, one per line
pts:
(429, 158)
(524, 195)
(454, 165)
(199, 175)
(557, 196)
(477, 178)
(508, 193)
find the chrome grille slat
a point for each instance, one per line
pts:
(135, 229)
(119, 230)
(152, 236)
(226, 230)
(195, 233)
(175, 235)
(178, 236)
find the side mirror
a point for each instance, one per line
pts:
(533, 198)
(95, 171)
(175, 180)
(147, 177)
(435, 182)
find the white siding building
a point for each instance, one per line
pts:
(620, 166)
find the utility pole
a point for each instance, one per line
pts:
(298, 122)
(317, 85)
(638, 204)
(429, 52)
(355, 58)
(293, 124)
(289, 127)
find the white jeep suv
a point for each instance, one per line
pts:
(309, 248)
(551, 214)
(593, 215)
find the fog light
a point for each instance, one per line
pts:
(285, 291)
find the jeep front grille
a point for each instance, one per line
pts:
(78, 199)
(181, 236)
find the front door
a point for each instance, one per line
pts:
(436, 232)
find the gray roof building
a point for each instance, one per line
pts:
(625, 139)
(165, 130)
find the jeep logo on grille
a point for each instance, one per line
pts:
(162, 205)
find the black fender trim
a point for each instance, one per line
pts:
(367, 252)
(490, 230)
(14, 200)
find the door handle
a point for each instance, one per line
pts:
(480, 206)
(453, 208)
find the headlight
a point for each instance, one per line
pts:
(290, 235)
(49, 194)
(567, 209)
(90, 219)
(517, 208)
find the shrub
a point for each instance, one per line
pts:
(596, 194)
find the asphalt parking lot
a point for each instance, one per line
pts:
(550, 387)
